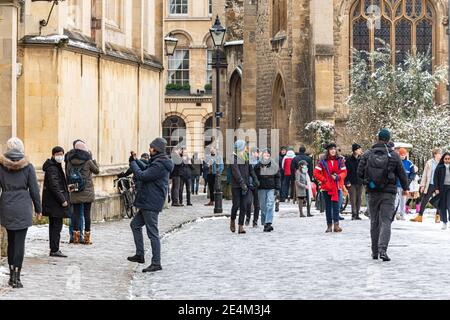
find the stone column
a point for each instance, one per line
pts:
(8, 80)
(323, 58)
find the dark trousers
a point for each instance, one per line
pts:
(149, 219)
(285, 186)
(301, 202)
(55, 228)
(241, 203)
(382, 211)
(87, 216)
(16, 247)
(185, 182)
(426, 198)
(195, 184)
(331, 209)
(256, 206)
(355, 192)
(445, 203)
(211, 178)
(175, 192)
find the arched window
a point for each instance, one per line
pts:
(406, 25)
(208, 130)
(169, 126)
(279, 16)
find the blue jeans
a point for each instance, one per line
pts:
(81, 224)
(332, 208)
(267, 204)
(195, 184)
(148, 219)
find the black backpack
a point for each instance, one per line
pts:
(76, 179)
(377, 169)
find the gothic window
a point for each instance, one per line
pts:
(279, 16)
(170, 125)
(178, 7)
(114, 13)
(406, 25)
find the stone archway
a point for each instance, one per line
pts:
(280, 115)
(236, 101)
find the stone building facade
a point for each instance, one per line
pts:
(297, 55)
(94, 72)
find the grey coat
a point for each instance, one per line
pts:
(20, 192)
(300, 184)
(83, 160)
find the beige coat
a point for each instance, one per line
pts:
(426, 177)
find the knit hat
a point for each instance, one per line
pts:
(384, 135)
(355, 147)
(331, 146)
(239, 145)
(403, 152)
(15, 144)
(159, 144)
(80, 145)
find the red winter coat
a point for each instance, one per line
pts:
(324, 171)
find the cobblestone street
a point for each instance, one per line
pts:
(203, 260)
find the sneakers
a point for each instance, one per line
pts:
(419, 218)
(57, 254)
(152, 268)
(268, 227)
(136, 258)
(444, 226)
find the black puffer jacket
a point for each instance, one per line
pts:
(268, 176)
(352, 164)
(395, 170)
(55, 191)
(243, 173)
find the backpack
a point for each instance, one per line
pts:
(377, 170)
(76, 178)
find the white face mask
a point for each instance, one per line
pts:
(59, 159)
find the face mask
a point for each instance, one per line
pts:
(59, 159)
(305, 170)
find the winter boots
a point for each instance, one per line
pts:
(329, 228)
(337, 228)
(137, 259)
(76, 237)
(233, 225)
(437, 218)
(384, 256)
(11, 276)
(268, 227)
(242, 230)
(17, 284)
(87, 238)
(419, 218)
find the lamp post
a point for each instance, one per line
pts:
(217, 32)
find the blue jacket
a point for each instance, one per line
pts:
(409, 170)
(154, 182)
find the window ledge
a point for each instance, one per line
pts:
(278, 40)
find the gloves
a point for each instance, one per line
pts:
(131, 159)
(244, 187)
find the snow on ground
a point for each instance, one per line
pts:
(205, 260)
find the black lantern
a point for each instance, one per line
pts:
(218, 33)
(170, 43)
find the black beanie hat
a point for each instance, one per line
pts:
(159, 144)
(355, 147)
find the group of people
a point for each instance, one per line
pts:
(68, 193)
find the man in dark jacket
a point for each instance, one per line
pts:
(254, 160)
(55, 199)
(302, 156)
(243, 178)
(379, 169)
(176, 178)
(150, 202)
(352, 182)
(185, 179)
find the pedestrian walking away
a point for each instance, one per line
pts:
(286, 166)
(176, 178)
(55, 199)
(80, 167)
(19, 194)
(150, 201)
(331, 173)
(379, 169)
(427, 187)
(268, 175)
(304, 188)
(253, 160)
(243, 177)
(185, 178)
(352, 182)
(442, 185)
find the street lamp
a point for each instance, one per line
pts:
(170, 43)
(218, 36)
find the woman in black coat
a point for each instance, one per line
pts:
(19, 194)
(442, 184)
(55, 199)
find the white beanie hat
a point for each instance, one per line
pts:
(15, 144)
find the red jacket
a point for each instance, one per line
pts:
(323, 173)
